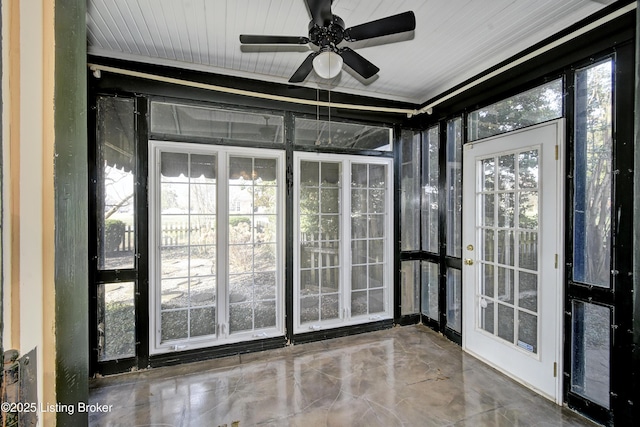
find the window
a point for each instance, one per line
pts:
(534, 106)
(343, 259)
(214, 123)
(430, 289)
(593, 175)
(590, 351)
(430, 185)
(410, 191)
(216, 245)
(116, 177)
(321, 133)
(454, 188)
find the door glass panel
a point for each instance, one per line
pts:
(508, 291)
(487, 315)
(506, 172)
(528, 250)
(591, 347)
(488, 280)
(505, 322)
(506, 251)
(528, 291)
(592, 175)
(368, 243)
(489, 209)
(320, 243)
(430, 287)
(252, 184)
(430, 177)
(188, 245)
(506, 204)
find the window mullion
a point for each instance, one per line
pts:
(345, 249)
(222, 243)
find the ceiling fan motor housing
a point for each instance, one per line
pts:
(328, 35)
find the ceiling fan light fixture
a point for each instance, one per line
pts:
(327, 64)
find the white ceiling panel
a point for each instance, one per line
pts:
(454, 40)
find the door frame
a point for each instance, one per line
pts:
(559, 243)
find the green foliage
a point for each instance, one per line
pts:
(113, 234)
(234, 221)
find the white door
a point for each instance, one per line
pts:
(512, 241)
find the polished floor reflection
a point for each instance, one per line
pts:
(405, 376)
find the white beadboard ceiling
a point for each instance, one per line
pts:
(454, 40)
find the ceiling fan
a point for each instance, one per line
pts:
(327, 31)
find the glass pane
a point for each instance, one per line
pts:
(410, 191)
(528, 169)
(528, 209)
(430, 289)
(330, 307)
(489, 210)
(528, 291)
(506, 250)
(344, 135)
(528, 331)
(592, 175)
(506, 172)
(309, 309)
(240, 317)
(410, 287)
(488, 280)
(202, 322)
(116, 180)
(505, 322)
(359, 303)
(376, 301)
(319, 241)
(487, 315)
(174, 325)
(454, 187)
(253, 238)
(528, 250)
(430, 186)
(454, 299)
(506, 206)
(528, 108)
(116, 321)
(506, 285)
(488, 245)
(591, 349)
(219, 124)
(488, 174)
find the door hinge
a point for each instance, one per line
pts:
(556, 152)
(556, 264)
(555, 369)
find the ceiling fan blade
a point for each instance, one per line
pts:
(260, 39)
(303, 71)
(320, 11)
(357, 63)
(382, 27)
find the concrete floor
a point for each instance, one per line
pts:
(405, 376)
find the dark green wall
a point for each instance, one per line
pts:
(71, 211)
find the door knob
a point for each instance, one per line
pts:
(468, 261)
